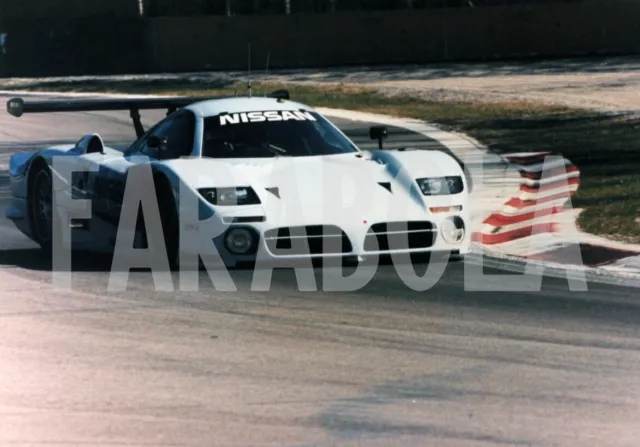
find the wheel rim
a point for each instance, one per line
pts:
(43, 208)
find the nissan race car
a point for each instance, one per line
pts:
(239, 179)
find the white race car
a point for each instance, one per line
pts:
(238, 179)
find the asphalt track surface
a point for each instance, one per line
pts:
(379, 366)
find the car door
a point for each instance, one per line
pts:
(89, 178)
(94, 180)
(178, 129)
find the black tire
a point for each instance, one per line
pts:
(41, 212)
(171, 230)
(170, 223)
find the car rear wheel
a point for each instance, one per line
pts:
(42, 213)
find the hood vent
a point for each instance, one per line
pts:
(275, 191)
(386, 185)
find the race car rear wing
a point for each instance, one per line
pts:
(18, 106)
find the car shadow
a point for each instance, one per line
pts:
(36, 260)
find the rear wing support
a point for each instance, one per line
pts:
(137, 121)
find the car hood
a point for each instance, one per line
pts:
(320, 188)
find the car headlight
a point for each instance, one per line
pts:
(243, 195)
(441, 186)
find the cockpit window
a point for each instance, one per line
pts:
(297, 133)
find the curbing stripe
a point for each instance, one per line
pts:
(547, 180)
(538, 199)
(540, 166)
(520, 233)
(526, 159)
(536, 189)
(518, 203)
(500, 220)
(549, 173)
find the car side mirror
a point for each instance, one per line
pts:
(378, 133)
(156, 142)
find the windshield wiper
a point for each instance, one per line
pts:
(276, 150)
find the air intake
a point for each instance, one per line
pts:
(274, 191)
(385, 185)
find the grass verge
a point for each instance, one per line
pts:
(605, 148)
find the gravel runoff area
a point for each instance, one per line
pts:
(603, 84)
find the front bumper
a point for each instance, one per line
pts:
(312, 240)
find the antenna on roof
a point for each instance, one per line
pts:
(266, 71)
(249, 70)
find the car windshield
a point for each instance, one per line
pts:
(298, 133)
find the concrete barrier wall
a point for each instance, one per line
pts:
(48, 9)
(63, 47)
(136, 45)
(398, 36)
